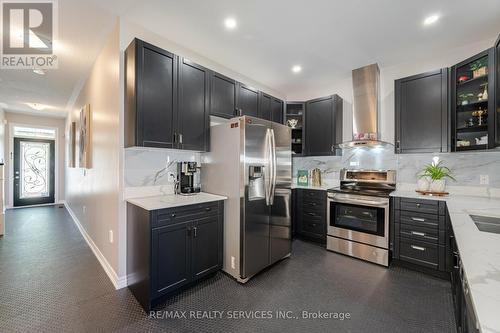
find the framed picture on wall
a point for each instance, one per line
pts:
(72, 145)
(84, 138)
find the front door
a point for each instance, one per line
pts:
(33, 171)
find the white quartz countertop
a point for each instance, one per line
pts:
(479, 252)
(174, 200)
(310, 187)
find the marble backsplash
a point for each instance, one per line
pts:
(154, 170)
(145, 167)
(466, 167)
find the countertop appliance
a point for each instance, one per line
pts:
(188, 178)
(358, 214)
(250, 162)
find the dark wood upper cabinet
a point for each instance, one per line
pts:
(193, 114)
(222, 96)
(151, 96)
(247, 101)
(271, 108)
(166, 99)
(277, 111)
(265, 110)
(323, 126)
(474, 113)
(421, 105)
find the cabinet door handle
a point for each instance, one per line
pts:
(419, 219)
(420, 248)
(418, 233)
(175, 137)
(311, 214)
(418, 205)
(208, 209)
(173, 215)
(195, 231)
(180, 138)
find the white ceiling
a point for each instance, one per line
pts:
(82, 30)
(328, 38)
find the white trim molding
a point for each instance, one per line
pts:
(118, 281)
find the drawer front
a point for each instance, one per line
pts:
(314, 226)
(308, 203)
(185, 213)
(313, 194)
(420, 253)
(414, 232)
(418, 219)
(315, 209)
(420, 206)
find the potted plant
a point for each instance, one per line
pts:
(479, 67)
(435, 174)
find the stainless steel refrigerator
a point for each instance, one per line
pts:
(250, 162)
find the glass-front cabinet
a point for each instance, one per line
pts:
(473, 110)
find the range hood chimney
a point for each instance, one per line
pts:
(366, 92)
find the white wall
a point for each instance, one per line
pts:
(25, 119)
(93, 195)
(2, 135)
(343, 86)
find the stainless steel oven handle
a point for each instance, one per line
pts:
(361, 202)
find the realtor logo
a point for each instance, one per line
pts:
(28, 33)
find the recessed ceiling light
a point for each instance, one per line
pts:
(230, 23)
(296, 69)
(431, 19)
(37, 106)
(39, 71)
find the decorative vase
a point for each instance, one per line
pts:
(438, 185)
(423, 183)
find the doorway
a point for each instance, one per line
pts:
(34, 164)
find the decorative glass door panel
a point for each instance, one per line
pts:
(35, 167)
(33, 171)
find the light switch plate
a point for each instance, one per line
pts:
(484, 179)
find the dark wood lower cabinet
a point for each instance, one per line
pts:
(170, 249)
(310, 215)
(422, 239)
(419, 235)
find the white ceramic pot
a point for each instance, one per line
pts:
(423, 183)
(438, 185)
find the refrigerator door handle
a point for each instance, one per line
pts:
(268, 174)
(273, 170)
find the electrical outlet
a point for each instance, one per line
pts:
(111, 239)
(233, 262)
(484, 179)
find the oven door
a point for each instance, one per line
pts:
(359, 218)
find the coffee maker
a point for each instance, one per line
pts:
(188, 178)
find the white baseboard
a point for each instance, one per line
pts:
(118, 281)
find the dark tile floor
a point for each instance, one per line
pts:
(50, 281)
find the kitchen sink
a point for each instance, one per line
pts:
(487, 223)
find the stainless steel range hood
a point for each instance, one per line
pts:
(366, 103)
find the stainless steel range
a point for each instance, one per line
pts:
(358, 214)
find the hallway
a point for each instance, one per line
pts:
(51, 281)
